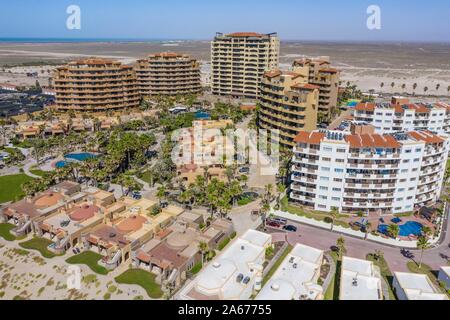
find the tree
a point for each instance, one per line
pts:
(382, 85)
(422, 244)
(203, 248)
(161, 193)
(281, 188)
(393, 85)
(334, 214)
(340, 244)
(244, 179)
(426, 231)
(425, 89)
(393, 230)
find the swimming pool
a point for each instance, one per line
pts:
(82, 156)
(410, 227)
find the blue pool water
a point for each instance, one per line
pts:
(83, 156)
(200, 115)
(410, 227)
(80, 156)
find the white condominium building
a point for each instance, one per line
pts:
(414, 286)
(368, 172)
(239, 60)
(389, 117)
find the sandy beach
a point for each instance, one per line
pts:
(365, 64)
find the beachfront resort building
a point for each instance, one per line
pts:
(288, 103)
(234, 273)
(175, 250)
(296, 278)
(168, 73)
(360, 280)
(319, 72)
(365, 173)
(28, 213)
(95, 85)
(239, 60)
(118, 235)
(414, 286)
(395, 117)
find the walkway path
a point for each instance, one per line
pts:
(27, 167)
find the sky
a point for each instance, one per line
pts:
(335, 20)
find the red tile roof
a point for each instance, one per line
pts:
(425, 136)
(309, 137)
(372, 141)
(272, 73)
(368, 106)
(305, 86)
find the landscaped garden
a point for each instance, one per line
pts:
(10, 187)
(141, 278)
(386, 273)
(5, 229)
(39, 244)
(90, 259)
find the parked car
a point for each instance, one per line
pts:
(290, 228)
(273, 224)
(244, 170)
(281, 221)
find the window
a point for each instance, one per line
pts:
(411, 189)
(413, 179)
(337, 180)
(338, 170)
(404, 170)
(326, 159)
(340, 160)
(405, 161)
(324, 179)
(327, 149)
(321, 206)
(326, 169)
(408, 151)
(337, 189)
(323, 197)
(335, 199)
(323, 188)
(401, 190)
(416, 160)
(341, 150)
(399, 199)
(418, 149)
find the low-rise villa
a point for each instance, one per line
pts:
(28, 212)
(234, 273)
(414, 286)
(175, 250)
(360, 280)
(297, 276)
(116, 237)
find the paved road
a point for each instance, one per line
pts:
(358, 248)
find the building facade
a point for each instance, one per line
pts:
(368, 173)
(168, 73)
(95, 85)
(239, 60)
(288, 103)
(391, 117)
(320, 73)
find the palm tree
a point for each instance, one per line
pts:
(393, 85)
(161, 193)
(281, 188)
(422, 244)
(404, 86)
(340, 244)
(414, 86)
(334, 214)
(438, 86)
(382, 85)
(368, 229)
(203, 248)
(393, 230)
(425, 89)
(426, 231)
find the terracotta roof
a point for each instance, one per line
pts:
(166, 55)
(368, 106)
(372, 141)
(329, 70)
(425, 136)
(309, 137)
(93, 61)
(273, 73)
(245, 34)
(305, 86)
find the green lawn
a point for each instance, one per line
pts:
(196, 268)
(276, 265)
(38, 172)
(4, 231)
(141, 278)
(385, 273)
(319, 216)
(39, 244)
(90, 259)
(10, 187)
(332, 292)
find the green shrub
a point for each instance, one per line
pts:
(223, 244)
(107, 296)
(327, 220)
